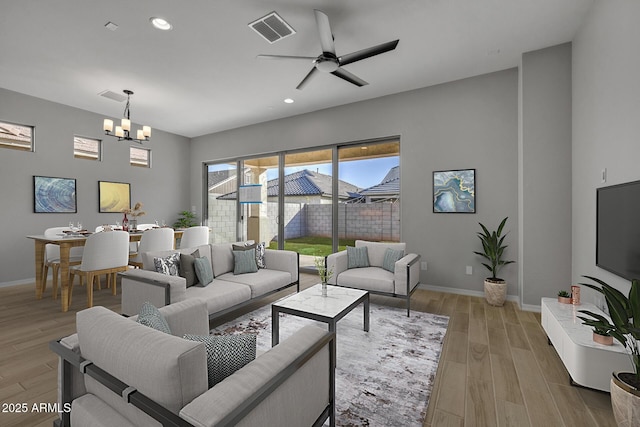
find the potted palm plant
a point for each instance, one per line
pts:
(624, 327)
(495, 288)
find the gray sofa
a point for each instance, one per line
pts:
(117, 372)
(226, 293)
(401, 283)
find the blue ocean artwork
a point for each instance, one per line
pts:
(454, 191)
(54, 195)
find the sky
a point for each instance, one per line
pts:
(361, 173)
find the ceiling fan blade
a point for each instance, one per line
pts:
(351, 78)
(367, 53)
(306, 58)
(324, 30)
(307, 78)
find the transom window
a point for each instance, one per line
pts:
(140, 157)
(87, 148)
(15, 136)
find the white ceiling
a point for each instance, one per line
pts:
(203, 76)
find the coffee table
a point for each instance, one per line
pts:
(310, 304)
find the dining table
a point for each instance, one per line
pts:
(66, 242)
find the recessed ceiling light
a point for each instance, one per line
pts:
(288, 101)
(161, 23)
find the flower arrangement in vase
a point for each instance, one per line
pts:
(135, 213)
(321, 265)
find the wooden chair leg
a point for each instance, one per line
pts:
(56, 269)
(90, 281)
(45, 272)
(112, 280)
(71, 280)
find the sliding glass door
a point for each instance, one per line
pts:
(314, 202)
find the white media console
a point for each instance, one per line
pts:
(589, 364)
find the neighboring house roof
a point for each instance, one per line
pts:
(390, 185)
(217, 178)
(305, 183)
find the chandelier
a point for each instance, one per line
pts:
(123, 131)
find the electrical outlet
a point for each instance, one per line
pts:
(469, 270)
(423, 265)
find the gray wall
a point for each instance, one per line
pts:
(606, 111)
(161, 188)
(471, 123)
(545, 182)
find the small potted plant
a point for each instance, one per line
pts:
(564, 297)
(188, 219)
(495, 288)
(321, 265)
(624, 326)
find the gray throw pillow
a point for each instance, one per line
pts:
(150, 316)
(187, 267)
(390, 258)
(259, 251)
(244, 262)
(357, 257)
(168, 265)
(226, 353)
(203, 270)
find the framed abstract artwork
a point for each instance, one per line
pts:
(454, 191)
(114, 196)
(54, 195)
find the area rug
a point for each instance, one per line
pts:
(384, 377)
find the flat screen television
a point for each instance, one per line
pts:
(618, 229)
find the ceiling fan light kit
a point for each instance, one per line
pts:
(328, 61)
(122, 132)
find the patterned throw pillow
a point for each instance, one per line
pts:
(226, 354)
(357, 257)
(187, 267)
(150, 316)
(260, 249)
(390, 258)
(244, 262)
(168, 265)
(203, 270)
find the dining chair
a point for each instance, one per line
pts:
(52, 258)
(104, 253)
(194, 236)
(156, 239)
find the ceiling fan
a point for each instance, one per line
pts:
(328, 61)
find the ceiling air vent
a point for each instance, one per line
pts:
(272, 27)
(113, 95)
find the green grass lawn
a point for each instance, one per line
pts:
(317, 246)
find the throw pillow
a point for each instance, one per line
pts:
(390, 258)
(226, 354)
(357, 257)
(187, 267)
(259, 247)
(168, 265)
(150, 316)
(244, 262)
(204, 273)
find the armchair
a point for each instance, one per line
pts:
(399, 283)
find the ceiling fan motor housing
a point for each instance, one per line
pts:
(327, 62)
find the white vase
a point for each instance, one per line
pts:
(324, 289)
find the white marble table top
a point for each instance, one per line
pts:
(566, 315)
(311, 300)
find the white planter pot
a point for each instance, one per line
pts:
(495, 293)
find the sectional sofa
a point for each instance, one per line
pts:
(227, 291)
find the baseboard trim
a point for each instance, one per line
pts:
(17, 282)
(459, 291)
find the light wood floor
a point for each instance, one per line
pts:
(496, 367)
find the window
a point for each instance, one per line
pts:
(140, 157)
(17, 137)
(87, 148)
